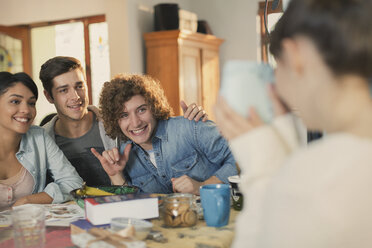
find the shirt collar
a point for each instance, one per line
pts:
(23, 147)
(161, 130)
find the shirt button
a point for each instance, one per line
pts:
(163, 176)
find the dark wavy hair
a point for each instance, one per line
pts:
(120, 90)
(8, 80)
(340, 29)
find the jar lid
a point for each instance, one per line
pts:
(179, 197)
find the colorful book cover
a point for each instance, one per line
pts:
(118, 198)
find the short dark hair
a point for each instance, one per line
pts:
(55, 67)
(120, 90)
(8, 80)
(340, 29)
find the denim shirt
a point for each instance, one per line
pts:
(181, 147)
(37, 153)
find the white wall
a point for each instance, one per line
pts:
(235, 22)
(232, 20)
(141, 20)
(15, 12)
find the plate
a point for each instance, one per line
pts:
(114, 189)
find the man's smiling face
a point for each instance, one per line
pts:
(69, 95)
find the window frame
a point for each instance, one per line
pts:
(86, 22)
(263, 34)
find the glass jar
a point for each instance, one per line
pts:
(180, 210)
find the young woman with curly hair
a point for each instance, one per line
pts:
(161, 154)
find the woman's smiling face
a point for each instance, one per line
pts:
(17, 110)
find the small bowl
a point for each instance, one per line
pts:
(142, 227)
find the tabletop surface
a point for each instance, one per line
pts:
(198, 236)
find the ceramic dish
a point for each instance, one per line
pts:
(79, 195)
(142, 227)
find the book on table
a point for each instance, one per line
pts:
(100, 210)
(83, 225)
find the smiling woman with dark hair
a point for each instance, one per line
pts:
(26, 151)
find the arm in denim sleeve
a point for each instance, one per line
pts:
(65, 176)
(215, 148)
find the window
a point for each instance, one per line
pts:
(84, 38)
(15, 55)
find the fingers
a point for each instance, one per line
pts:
(127, 151)
(220, 109)
(201, 114)
(101, 158)
(278, 105)
(183, 184)
(255, 118)
(177, 183)
(109, 155)
(107, 162)
(222, 112)
(205, 118)
(229, 122)
(172, 180)
(125, 157)
(116, 154)
(194, 113)
(96, 154)
(183, 106)
(188, 111)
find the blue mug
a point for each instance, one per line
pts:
(215, 199)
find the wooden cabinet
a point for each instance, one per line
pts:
(187, 66)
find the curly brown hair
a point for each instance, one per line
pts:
(120, 90)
